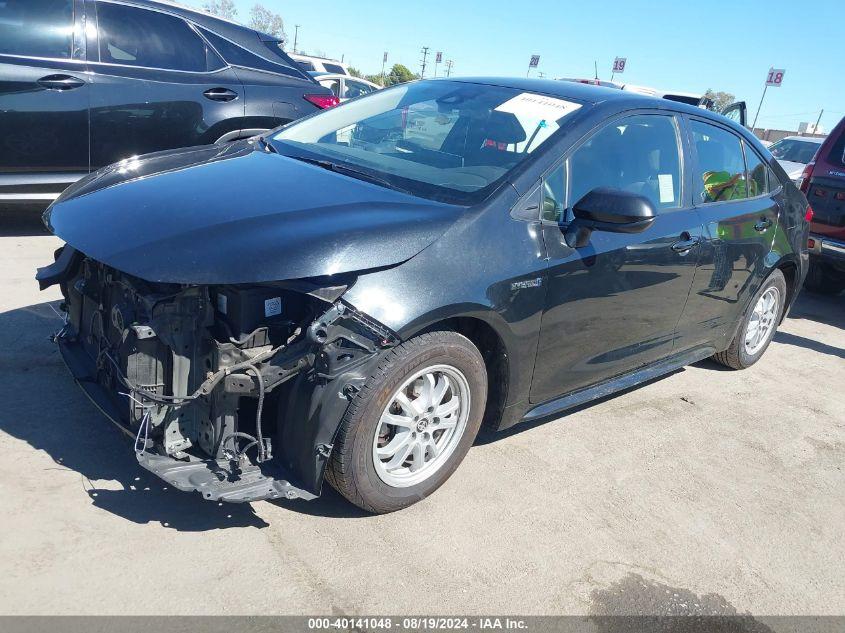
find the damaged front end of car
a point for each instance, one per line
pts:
(235, 391)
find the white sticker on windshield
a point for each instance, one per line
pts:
(538, 106)
(667, 187)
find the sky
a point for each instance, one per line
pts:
(678, 45)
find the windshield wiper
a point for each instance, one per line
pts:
(350, 171)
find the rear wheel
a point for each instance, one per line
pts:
(821, 279)
(411, 424)
(758, 326)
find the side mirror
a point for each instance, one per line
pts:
(612, 210)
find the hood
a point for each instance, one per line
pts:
(238, 214)
(793, 170)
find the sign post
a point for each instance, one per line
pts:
(437, 59)
(774, 78)
(535, 61)
(618, 66)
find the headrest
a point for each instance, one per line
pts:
(504, 127)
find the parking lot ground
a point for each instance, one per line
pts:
(708, 491)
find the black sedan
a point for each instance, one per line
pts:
(353, 296)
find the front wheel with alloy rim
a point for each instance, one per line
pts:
(758, 325)
(411, 423)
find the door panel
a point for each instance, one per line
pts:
(612, 306)
(739, 210)
(137, 109)
(44, 95)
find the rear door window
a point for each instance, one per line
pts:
(36, 28)
(757, 172)
(352, 88)
(130, 36)
(720, 175)
(639, 154)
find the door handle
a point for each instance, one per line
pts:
(686, 243)
(762, 224)
(60, 82)
(220, 94)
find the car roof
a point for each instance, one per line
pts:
(587, 93)
(810, 139)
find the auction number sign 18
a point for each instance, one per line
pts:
(775, 77)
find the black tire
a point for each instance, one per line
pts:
(351, 470)
(822, 280)
(736, 356)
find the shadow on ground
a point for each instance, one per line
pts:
(22, 220)
(47, 410)
(636, 604)
(43, 407)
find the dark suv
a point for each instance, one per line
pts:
(823, 181)
(84, 83)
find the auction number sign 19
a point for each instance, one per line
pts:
(619, 65)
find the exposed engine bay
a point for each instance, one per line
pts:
(235, 391)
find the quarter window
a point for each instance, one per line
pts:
(721, 167)
(239, 56)
(36, 28)
(554, 195)
(150, 39)
(334, 68)
(638, 154)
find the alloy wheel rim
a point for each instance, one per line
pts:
(762, 321)
(421, 426)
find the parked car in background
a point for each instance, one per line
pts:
(823, 181)
(310, 63)
(794, 152)
(85, 83)
(737, 111)
(352, 296)
(345, 86)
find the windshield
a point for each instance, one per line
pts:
(794, 151)
(444, 140)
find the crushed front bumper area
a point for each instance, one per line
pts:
(216, 480)
(235, 392)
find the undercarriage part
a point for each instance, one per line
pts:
(188, 371)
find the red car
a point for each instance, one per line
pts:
(823, 182)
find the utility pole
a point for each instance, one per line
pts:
(819, 120)
(422, 61)
(295, 36)
(383, 62)
(449, 63)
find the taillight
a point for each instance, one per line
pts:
(809, 215)
(804, 181)
(323, 101)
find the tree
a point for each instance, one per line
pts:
(721, 100)
(223, 8)
(355, 72)
(264, 20)
(399, 74)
